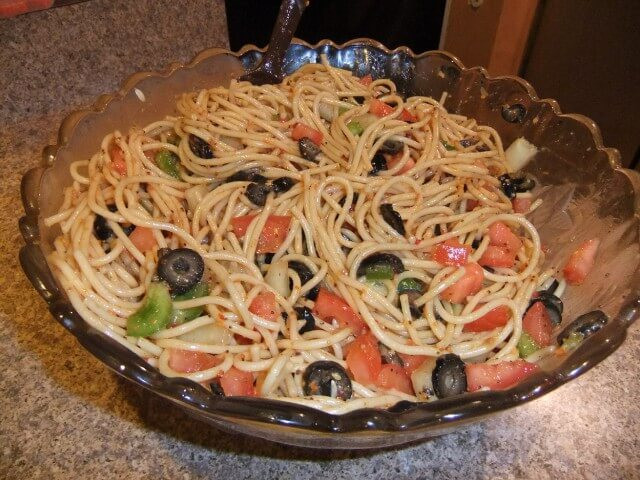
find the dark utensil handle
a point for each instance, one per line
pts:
(286, 24)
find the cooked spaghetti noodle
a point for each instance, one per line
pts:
(337, 207)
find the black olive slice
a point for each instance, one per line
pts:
(199, 147)
(181, 268)
(391, 146)
(508, 185)
(250, 175)
(326, 378)
(381, 259)
(467, 142)
(216, 388)
(524, 184)
(305, 275)
(308, 149)
(392, 217)
(553, 305)
(101, 228)
(282, 184)
(257, 193)
(553, 287)
(449, 377)
(378, 164)
(359, 99)
(389, 356)
(304, 313)
(585, 325)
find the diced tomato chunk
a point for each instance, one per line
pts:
(412, 362)
(501, 235)
(521, 204)
(187, 361)
(495, 256)
(330, 306)
(472, 204)
(264, 305)
(117, 159)
(581, 262)
(537, 324)
(301, 130)
(366, 80)
(379, 108)
(392, 161)
(407, 116)
(364, 359)
(237, 383)
(451, 253)
(143, 239)
(469, 284)
(498, 317)
(273, 234)
(394, 377)
(498, 376)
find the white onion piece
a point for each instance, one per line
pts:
(519, 154)
(233, 142)
(277, 277)
(195, 194)
(326, 111)
(421, 379)
(208, 335)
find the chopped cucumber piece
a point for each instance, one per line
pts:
(355, 127)
(179, 316)
(526, 345)
(379, 271)
(153, 315)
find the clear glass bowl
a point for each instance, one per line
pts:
(586, 194)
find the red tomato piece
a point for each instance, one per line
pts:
(472, 204)
(500, 235)
(301, 130)
(117, 159)
(521, 204)
(581, 262)
(187, 361)
(143, 239)
(273, 234)
(366, 80)
(394, 377)
(495, 256)
(451, 253)
(364, 360)
(237, 383)
(537, 324)
(498, 376)
(329, 306)
(379, 108)
(412, 362)
(469, 284)
(407, 116)
(392, 161)
(498, 317)
(265, 306)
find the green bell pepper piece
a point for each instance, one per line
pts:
(168, 162)
(447, 145)
(355, 127)
(410, 285)
(572, 341)
(526, 345)
(179, 316)
(153, 315)
(379, 271)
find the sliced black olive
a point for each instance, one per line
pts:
(101, 228)
(181, 268)
(199, 147)
(392, 217)
(308, 149)
(381, 259)
(282, 184)
(415, 311)
(326, 378)
(585, 325)
(553, 287)
(514, 113)
(508, 185)
(128, 229)
(476, 243)
(449, 377)
(467, 142)
(305, 275)
(389, 356)
(524, 184)
(378, 164)
(250, 175)
(304, 313)
(257, 193)
(112, 208)
(268, 257)
(216, 388)
(553, 305)
(437, 230)
(359, 99)
(482, 148)
(391, 146)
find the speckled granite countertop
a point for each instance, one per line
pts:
(64, 415)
